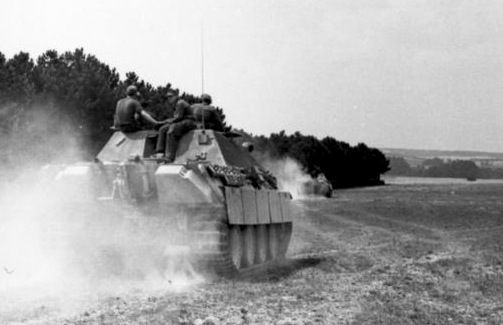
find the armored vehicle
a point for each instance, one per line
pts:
(319, 186)
(228, 208)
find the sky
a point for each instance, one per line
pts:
(399, 73)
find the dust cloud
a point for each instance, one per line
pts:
(62, 247)
(38, 135)
(291, 177)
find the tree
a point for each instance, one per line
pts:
(18, 79)
(399, 166)
(82, 91)
(3, 77)
(455, 169)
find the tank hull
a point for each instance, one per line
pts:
(213, 203)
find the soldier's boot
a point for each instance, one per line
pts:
(171, 145)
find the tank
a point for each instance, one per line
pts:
(214, 200)
(319, 186)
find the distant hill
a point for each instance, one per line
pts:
(416, 156)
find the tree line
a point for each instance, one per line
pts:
(77, 91)
(342, 164)
(75, 87)
(436, 167)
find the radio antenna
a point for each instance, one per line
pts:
(202, 56)
(202, 65)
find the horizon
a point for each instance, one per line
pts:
(388, 74)
(443, 150)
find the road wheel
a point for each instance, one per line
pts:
(249, 241)
(236, 246)
(273, 241)
(285, 229)
(262, 242)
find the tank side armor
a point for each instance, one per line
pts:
(123, 146)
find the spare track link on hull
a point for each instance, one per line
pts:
(229, 250)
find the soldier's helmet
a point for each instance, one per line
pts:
(170, 93)
(131, 90)
(206, 99)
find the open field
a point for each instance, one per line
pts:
(397, 254)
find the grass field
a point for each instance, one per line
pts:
(398, 254)
(420, 254)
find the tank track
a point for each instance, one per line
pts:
(229, 250)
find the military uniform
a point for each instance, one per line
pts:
(207, 116)
(125, 111)
(169, 135)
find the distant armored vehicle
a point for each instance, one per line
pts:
(318, 186)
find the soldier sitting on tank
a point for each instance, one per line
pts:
(169, 134)
(206, 115)
(129, 114)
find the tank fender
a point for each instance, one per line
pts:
(78, 182)
(49, 172)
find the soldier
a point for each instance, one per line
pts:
(175, 128)
(129, 114)
(206, 115)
